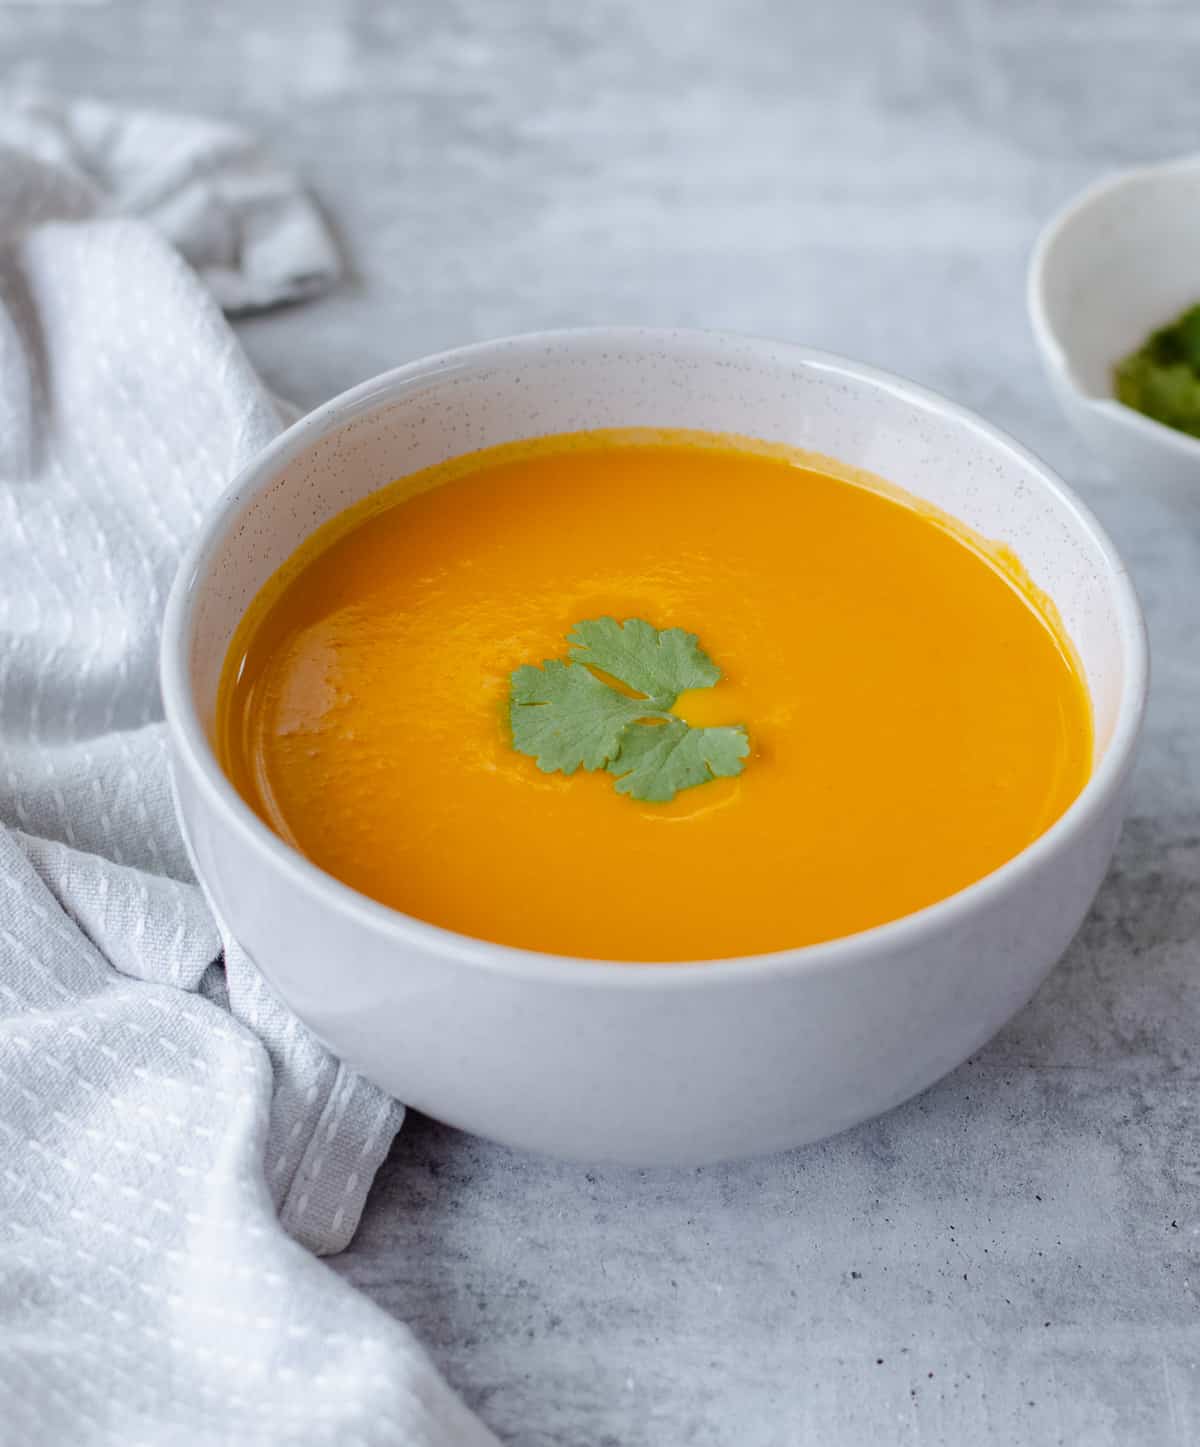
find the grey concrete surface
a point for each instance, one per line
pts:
(1011, 1258)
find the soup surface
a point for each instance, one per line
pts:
(914, 713)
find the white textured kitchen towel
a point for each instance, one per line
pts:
(162, 1116)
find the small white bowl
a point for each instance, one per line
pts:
(1112, 266)
(648, 1064)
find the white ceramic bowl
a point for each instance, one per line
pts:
(648, 1064)
(1117, 262)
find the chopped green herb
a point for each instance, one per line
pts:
(1162, 378)
(567, 718)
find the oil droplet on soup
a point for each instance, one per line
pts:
(915, 713)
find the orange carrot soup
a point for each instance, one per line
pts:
(652, 696)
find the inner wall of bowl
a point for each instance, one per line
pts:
(1121, 265)
(520, 390)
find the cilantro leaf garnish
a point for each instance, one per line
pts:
(658, 663)
(566, 717)
(657, 760)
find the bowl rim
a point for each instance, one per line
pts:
(1054, 354)
(193, 751)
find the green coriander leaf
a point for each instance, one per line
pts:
(657, 760)
(565, 718)
(661, 664)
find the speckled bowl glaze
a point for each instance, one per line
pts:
(1111, 266)
(648, 1064)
